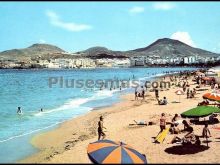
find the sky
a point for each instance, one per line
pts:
(76, 26)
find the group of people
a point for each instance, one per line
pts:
(160, 101)
(190, 93)
(189, 137)
(140, 93)
(19, 110)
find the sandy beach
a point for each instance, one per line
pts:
(68, 143)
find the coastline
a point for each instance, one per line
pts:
(63, 143)
(68, 142)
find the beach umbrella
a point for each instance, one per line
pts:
(200, 111)
(179, 92)
(207, 78)
(213, 96)
(107, 151)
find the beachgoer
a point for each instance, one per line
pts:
(136, 94)
(156, 93)
(188, 93)
(188, 138)
(191, 95)
(100, 129)
(41, 109)
(164, 101)
(206, 131)
(194, 91)
(141, 122)
(213, 118)
(174, 129)
(187, 127)
(204, 102)
(162, 122)
(175, 117)
(143, 93)
(19, 111)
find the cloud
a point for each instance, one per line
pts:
(183, 37)
(136, 9)
(42, 41)
(163, 5)
(56, 21)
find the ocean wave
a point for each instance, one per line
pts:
(75, 103)
(28, 133)
(68, 105)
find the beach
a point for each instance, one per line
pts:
(68, 143)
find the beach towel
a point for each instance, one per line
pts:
(160, 138)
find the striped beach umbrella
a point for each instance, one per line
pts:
(212, 96)
(107, 151)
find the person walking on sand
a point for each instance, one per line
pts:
(136, 94)
(143, 92)
(100, 129)
(156, 93)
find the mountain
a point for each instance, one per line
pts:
(169, 47)
(35, 51)
(162, 47)
(102, 52)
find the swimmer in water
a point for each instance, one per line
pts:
(19, 111)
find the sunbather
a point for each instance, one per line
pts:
(141, 122)
(136, 123)
(205, 102)
(173, 129)
(189, 138)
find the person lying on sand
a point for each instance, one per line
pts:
(141, 122)
(204, 102)
(189, 138)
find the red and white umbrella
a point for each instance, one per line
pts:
(214, 96)
(179, 92)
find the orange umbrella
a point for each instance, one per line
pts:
(207, 78)
(212, 96)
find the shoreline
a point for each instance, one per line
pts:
(37, 142)
(57, 146)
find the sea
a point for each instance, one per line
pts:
(62, 94)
